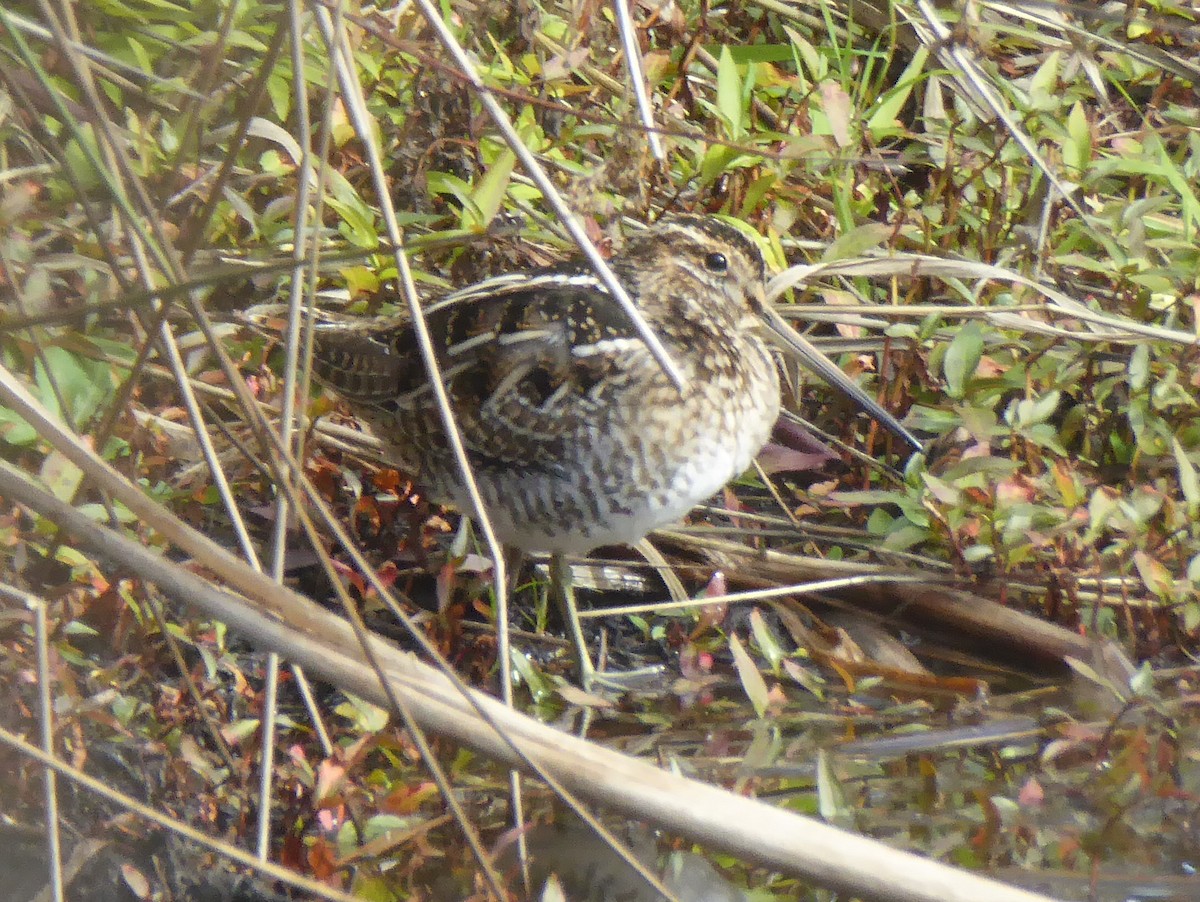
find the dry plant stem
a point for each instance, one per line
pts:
(663, 607)
(287, 436)
(170, 262)
(204, 75)
(193, 230)
(15, 396)
(932, 605)
(281, 620)
(111, 145)
(603, 79)
(46, 714)
(112, 64)
(342, 56)
(772, 489)
(1102, 327)
(284, 463)
(266, 763)
(637, 80)
(663, 568)
(554, 199)
(309, 269)
(164, 256)
(219, 560)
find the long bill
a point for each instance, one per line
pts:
(818, 363)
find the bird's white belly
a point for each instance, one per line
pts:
(717, 457)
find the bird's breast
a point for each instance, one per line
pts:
(648, 455)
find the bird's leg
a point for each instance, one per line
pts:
(563, 589)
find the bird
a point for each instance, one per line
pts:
(576, 436)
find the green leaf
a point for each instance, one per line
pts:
(382, 824)
(85, 384)
(716, 162)
(240, 730)
(941, 490)
(356, 223)
(1142, 682)
(857, 241)
(1155, 575)
(831, 800)
(884, 119)
(1160, 168)
(879, 522)
(445, 183)
(373, 888)
(364, 717)
(1043, 86)
(1188, 483)
(1139, 367)
(489, 193)
(808, 59)
(729, 93)
(752, 680)
(809, 679)
(904, 537)
(14, 429)
(61, 476)
(1032, 411)
(99, 512)
(962, 358)
(523, 669)
(1077, 151)
(767, 643)
(754, 53)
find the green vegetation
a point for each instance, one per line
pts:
(153, 165)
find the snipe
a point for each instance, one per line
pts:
(577, 437)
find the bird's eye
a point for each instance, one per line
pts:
(716, 263)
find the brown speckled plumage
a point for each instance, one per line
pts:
(577, 437)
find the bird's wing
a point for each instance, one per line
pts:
(528, 361)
